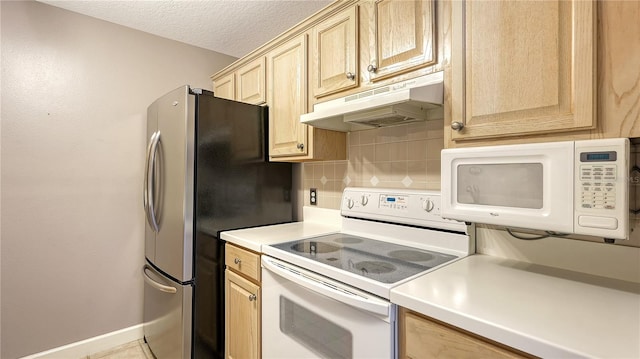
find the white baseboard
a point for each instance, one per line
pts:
(93, 345)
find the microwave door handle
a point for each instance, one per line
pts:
(156, 285)
(372, 305)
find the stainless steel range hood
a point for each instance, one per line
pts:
(399, 103)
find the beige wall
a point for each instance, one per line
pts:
(74, 97)
(405, 156)
(0, 191)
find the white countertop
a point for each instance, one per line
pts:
(540, 310)
(317, 222)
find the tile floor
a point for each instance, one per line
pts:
(134, 350)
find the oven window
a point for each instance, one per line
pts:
(318, 334)
(516, 185)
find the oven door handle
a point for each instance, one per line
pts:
(327, 287)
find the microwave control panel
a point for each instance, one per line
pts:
(601, 197)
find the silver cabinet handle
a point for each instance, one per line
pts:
(237, 261)
(156, 285)
(149, 178)
(252, 297)
(372, 68)
(351, 75)
(300, 146)
(457, 126)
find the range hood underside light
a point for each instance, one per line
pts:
(386, 116)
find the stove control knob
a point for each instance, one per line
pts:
(350, 203)
(364, 200)
(428, 205)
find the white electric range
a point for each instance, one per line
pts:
(328, 296)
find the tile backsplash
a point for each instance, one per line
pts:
(405, 156)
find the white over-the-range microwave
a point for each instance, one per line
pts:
(572, 187)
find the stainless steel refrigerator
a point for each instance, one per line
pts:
(206, 171)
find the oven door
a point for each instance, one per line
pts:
(305, 315)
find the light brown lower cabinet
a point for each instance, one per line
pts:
(243, 310)
(421, 337)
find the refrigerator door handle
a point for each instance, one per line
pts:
(156, 285)
(150, 179)
(145, 187)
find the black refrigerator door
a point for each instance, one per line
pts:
(236, 187)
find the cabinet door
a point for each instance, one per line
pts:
(242, 309)
(618, 70)
(335, 54)
(522, 67)
(287, 98)
(405, 37)
(224, 87)
(423, 338)
(251, 82)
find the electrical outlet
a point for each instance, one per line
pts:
(313, 196)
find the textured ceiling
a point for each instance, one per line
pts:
(228, 26)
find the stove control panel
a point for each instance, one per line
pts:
(421, 208)
(394, 202)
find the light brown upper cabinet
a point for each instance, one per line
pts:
(522, 67)
(290, 140)
(251, 87)
(225, 87)
(405, 36)
(334, 46)
(245, 84)
(370, 44)
(287, 98)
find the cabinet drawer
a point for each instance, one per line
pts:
(243, 261)
(422, 337)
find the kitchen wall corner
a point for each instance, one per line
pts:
(0, 196)
(297, 192)
(405, 156)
